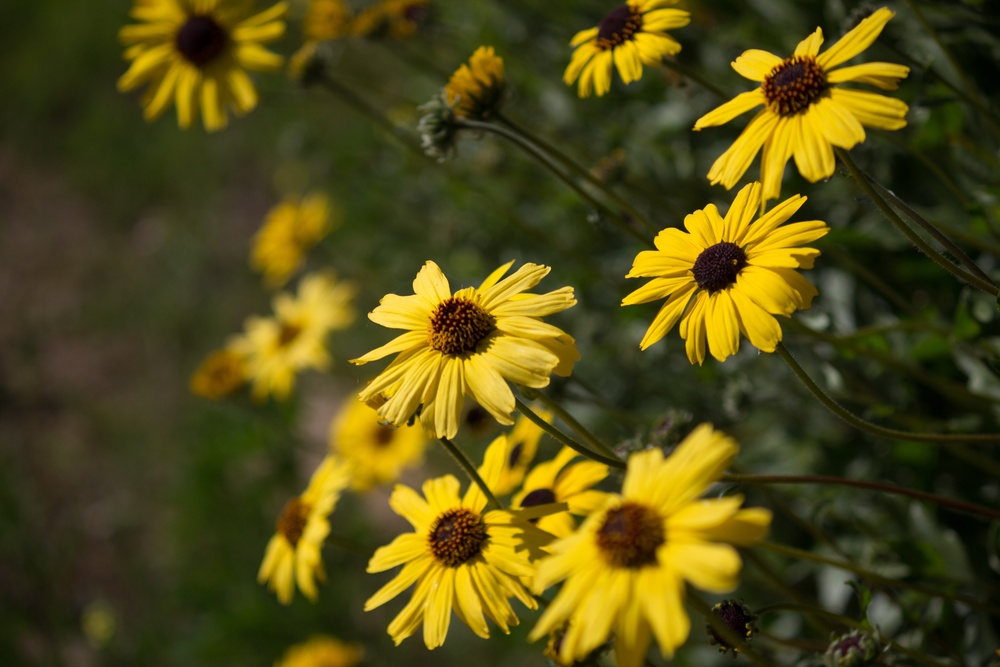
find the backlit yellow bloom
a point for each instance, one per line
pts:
(292, 557)
(477, 90)
(461, 557)
(290, 229)
(326, 20)
(554, 482)
(625, 568)
(220, 374)
(632, 35)
(806, 111)
(467, 343)
(322, 651)
(393, 19)
(196, 53)
(377, 453)
(725, 276)
(276, 348)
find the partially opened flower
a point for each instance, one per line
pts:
(378, 453)
(624, 570)
(392, 19)
(293, 555)
(461, 557)
(276, 348)
(807, 112)
(477, 90)
(196, 53)
(322, 651)
(728, 276)
(632, 35)
(556, 481)
(290, 229)
(470, 343)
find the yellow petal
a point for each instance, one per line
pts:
(857, 40)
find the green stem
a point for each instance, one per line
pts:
(583, 173)
(686, 71)
(924, 224)
(912, 236)
(957, 505)
(874, 429)
(820, 624)
(568, 419)
(535, 152)
(876, 579)
(470, 470)
(565, 439)
(724, 631)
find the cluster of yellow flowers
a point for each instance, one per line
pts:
(622, 559)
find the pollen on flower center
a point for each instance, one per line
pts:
(630, 536)
(794, 84)
(457, 536)
(618, 26)
(200, 40)
(457, 325)
(292, 521)
(717, 266)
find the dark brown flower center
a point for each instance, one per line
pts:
(618, 26)
(384, 435)
(293, 519)
(539, 497)
(200, 40)
(288, 334)
(630, 535)
(457, 536)
(717, 266)
(515, 456)
(738, 618)
(457, 325)
(794, 84)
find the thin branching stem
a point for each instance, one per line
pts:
(565, 439)
(470, 470)
(568, 419)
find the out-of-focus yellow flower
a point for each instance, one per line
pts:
(276, 348)
(326, 20)
(220, 374)
(292, 557)
(377, 453)
(290, 229)
(392, 19)
(557, 482)
(522, 444)
(196, 55)
(322, 651)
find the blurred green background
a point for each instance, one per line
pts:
(123, 261)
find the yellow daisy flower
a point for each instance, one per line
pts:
(395, 19)
(290, 229)
(735, 275)
(477, 90)
(377, 453)
(276, 348)
(326, 20)
(220, 374)
(624, 569)
(196, 53)
(468, 343)
(322, 651)
(632, 35)
(806, 112)
(521, 444)
(293, 554)
(460, 557)
(553, 482)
